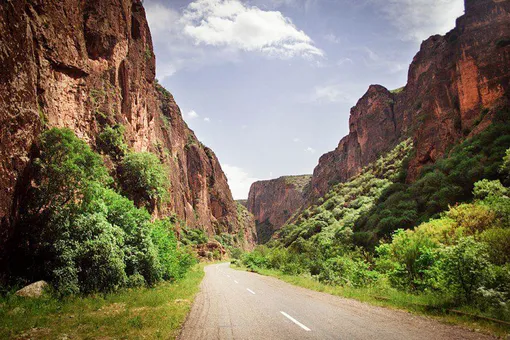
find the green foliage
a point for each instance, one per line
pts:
(466, 268)
(65, 168)
(461, 254)
(485, 189)
(505, 167)
(111, 142)
(446, 182)
(144, 179)
(82, 236)
(175, 261)
(346, 202)
(193, 236)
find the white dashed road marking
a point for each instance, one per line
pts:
(251, 291)
(295, 321)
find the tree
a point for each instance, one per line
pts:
(143, 178)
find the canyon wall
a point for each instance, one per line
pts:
(454, 84)
(90, 64)
(273, 202)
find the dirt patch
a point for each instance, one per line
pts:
(113, 309)
(35, 333)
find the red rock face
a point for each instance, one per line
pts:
(453, 82)
(86, 64)
(274, 202)
(372, 132)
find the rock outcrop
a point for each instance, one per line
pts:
(274, 202)
(454, 83)
(90, 64)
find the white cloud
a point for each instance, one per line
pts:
(214, 32)
(238, 180)
(192, 115)
(330, 93)
(375, 61)
(162, 19)
(418, 19)
(343, 61)
(332, 38)
(207, 119)
(310, 150)
(229, 23)
(296, 140)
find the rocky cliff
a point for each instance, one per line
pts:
(454, 83)
(274, 202)
(87, 65)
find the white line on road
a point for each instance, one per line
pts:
(295, 321)
(251, 291)
(236, 281)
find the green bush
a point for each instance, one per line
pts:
(347, 271)
(82, 236)
(448, 181)
(505, 167)
(466, 269)
(193, 236)
(111, 142)
(144, 179)
(136, 281)
(486, 189)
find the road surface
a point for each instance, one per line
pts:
(241, 305)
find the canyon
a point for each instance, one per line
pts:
(455, 84)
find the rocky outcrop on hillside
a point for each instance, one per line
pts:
(454, 83)
(87, 65)
(274, 202)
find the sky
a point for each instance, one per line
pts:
(269, 84)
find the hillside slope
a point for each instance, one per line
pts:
(453, 82)
(456, 84)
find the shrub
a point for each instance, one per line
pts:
(83, 236)
(236, 253)
(343, 270)
(64, 169)
(505, 167)
(472, 218)
(164, 239)
(466, 268)
(193, 236)
(143, 178)
(409, 258)
(111, 142)
(136, 281)
(498, 244)
(487, 189)
(99, 254)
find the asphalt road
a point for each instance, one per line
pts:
(241, 305)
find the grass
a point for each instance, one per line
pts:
(424, 304)
(151, 313)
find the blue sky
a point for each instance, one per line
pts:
(268, 84)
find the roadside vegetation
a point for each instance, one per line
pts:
(130, 313)
(441, 243)
(79, 233)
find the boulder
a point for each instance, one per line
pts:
(33, 290)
